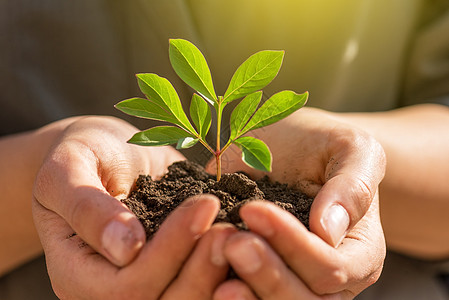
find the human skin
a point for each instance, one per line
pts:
(84, 165)
(396, 131)
(71, 188)
(176, 263)
(413, 134)
(344, 252)
(21, 157)
(414, 193)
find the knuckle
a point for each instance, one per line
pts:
(376, 156)
(275, 284)
(362, 196)
(346, 137)
(359, 197)
(331, 281)
(43, 181)
(364, 191)
(49, 175)
(376, 147)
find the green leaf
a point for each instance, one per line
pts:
(255, 153)
(159, 136)
(254, 74)
(186, 142)
(144, 108)
(161, 91)
(191, 66)
(276, 108)
(243, 112)
(200, 114)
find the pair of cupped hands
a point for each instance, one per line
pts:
(91, 166)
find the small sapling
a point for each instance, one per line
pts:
(162, 103)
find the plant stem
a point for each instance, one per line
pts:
(226, 146)
(218, 152)
(206, 145)
(218, 161)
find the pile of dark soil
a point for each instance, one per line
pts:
(151, 201)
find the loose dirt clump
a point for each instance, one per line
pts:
(152, 200)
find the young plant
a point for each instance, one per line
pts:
(162, 103)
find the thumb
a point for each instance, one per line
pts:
(353, 174)
(340, 204)
(342, 201)
(69, 184)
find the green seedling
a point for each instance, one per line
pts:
(162, 103)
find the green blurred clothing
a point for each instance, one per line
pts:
(65, 58)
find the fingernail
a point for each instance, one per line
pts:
(203, 218)
(245, 257)
(120, 242)
(335, 222)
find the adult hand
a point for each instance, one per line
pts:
(76, 190)
(344, 252)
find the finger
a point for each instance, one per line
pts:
(256, 263)
(89, 164)
(311, 258)
(234, 290)
(87, 275)
(69, 183)
(173, 243)
(353, 173)
(205, 268)
(324, 269)
(122, 168)
(238, 290)
(72, 265)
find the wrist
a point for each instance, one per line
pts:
(22, 156)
